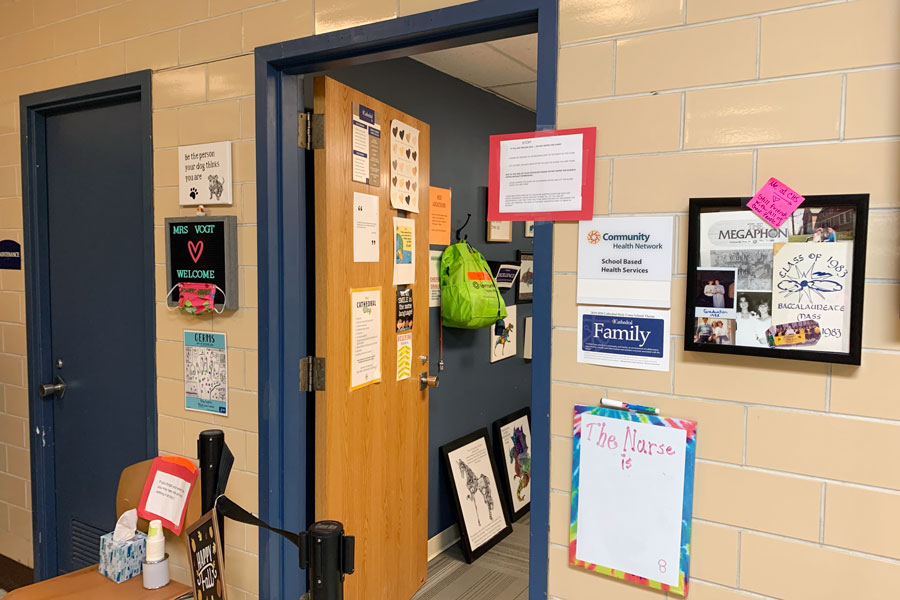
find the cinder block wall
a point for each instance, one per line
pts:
(797, 491)
(797, 488)
(200, 52)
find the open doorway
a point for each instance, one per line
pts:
(465, 95)
(505, 393)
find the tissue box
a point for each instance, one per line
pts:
(120, 561)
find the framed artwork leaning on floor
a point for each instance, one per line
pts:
(482, 514)
(512, 442)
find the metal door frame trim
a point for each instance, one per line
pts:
(33, 111)
(283, 232)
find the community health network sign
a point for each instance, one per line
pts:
(625, 261)
(633, 338)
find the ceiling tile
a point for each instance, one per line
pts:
(478, 64)
(522, 48)
(523, 94)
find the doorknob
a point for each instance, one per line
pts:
(426, 380)
(57, 388)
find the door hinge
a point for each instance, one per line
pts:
(312, 374)
(303, 130)
(310, 131)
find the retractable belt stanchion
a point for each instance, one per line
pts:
(215, 466)
(209, 452)
(326, 553)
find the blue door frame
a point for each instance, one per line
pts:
(284, 233)
(34, 109)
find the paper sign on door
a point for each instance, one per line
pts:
(404, 356)
(404, 166)
(404, 251)
(366, 145)
(365, 337)
(365, 227)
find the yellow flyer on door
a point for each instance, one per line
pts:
(365, 337)
(404, 356)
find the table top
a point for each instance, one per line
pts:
(88, 583)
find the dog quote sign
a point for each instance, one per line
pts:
(204, 174)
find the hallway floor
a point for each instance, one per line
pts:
(501, 574)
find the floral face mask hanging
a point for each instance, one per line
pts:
(197, 298)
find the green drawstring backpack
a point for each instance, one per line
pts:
(469, 295)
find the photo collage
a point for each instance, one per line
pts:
(766, 287)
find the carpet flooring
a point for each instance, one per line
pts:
(500, 574)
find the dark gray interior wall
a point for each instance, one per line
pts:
(473, 392)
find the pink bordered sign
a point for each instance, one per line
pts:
(632, 496)
(775, 202)
(542, 175)
(167, 491)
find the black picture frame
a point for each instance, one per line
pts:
(504, 459)
(462, 495)
(220, 255)
(523, 296)
(860, 203)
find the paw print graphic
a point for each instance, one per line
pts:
(193, 193)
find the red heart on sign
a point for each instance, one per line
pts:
(196, 249)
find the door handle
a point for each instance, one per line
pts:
(427, 381)
(57, 388)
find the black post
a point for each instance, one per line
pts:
(327, 555)
(209, 453)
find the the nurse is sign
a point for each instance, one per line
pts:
(775, 202)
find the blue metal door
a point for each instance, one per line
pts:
(100, 301)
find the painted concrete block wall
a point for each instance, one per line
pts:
(797, 489)
(200, 52)
(692, 98)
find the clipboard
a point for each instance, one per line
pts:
(632, 496)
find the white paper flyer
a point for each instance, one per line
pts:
(812, 282)
(634, 338)
(625, 261)
(365, 227)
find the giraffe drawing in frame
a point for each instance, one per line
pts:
(477, 484)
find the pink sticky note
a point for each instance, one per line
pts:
(775, 202)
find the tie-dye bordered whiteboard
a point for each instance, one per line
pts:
(632, 491)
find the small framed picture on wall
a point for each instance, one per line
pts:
(529, 229)
(481, 513)
(499, 231)
(525, 292)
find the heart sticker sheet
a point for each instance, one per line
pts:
(404, 166)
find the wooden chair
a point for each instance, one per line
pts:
(88, 583)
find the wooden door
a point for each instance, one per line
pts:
(371, 442)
